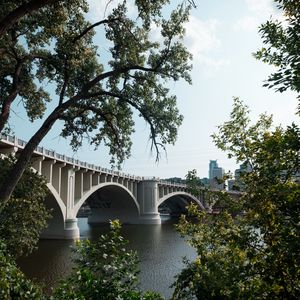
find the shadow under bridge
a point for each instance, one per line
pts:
(176, 204)
(108, 202)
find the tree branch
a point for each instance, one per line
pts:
(116, 72)
(5, 109)
(26, 8)
(85, 31)
(98, 111)
(64, 87)
(154, 142)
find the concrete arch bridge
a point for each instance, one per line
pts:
(109, 194)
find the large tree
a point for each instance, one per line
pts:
(282, 48)
(96, 91)
(250, 250)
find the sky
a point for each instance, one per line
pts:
(222, 36)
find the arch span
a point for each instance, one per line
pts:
(56, 223)
(58, 200)
(166, 197)
(98, 187)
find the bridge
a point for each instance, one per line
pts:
(109, 194)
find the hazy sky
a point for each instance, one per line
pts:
(222, 35)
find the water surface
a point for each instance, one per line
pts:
(160, 250)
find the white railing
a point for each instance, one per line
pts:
(14, 141)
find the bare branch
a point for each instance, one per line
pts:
(84, 32)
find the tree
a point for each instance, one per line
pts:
(250, 250)
(16, 13)
(95, 97)
(282, 48)
(24, 216)
(104, 270)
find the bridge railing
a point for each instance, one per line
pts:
(12, 140)
(57, 156)
(170, 183)
(8, 138)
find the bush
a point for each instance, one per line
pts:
(25, 215)
(105, 270)
(13, 283)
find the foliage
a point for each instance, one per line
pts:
(96, 91)
(13, 284)
(50, 60)
(104, 270)
(25, 215)
(250, 250)
(283, 48)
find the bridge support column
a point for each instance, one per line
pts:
(148, 199)
(71, 230)
(67, 230)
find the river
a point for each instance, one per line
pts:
(160, 250)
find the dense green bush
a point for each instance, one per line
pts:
(25, 215)
(13, 283)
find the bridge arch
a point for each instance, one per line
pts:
(180, 193)
(56, 223)
(100, 186)
(58, 200)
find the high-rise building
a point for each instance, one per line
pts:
(238, 173)
(215, 173)
(212, 165)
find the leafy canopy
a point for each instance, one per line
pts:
(250, 250)
(97, 89)
(48, 54)
(282, 48)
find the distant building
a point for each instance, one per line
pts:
(238, 173)
(231, 184)
(216, 175)
(212, 165)
(205, 181)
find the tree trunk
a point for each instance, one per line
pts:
(6, 103)
(23, 160)
(6, 109)
(24, 9)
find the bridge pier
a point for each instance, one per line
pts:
(148, 199)
(67, 230)
(71, 230)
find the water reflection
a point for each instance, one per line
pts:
(160, 250)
